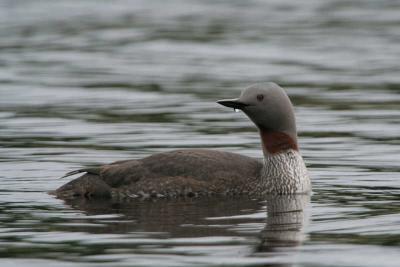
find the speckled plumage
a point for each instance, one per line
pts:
(170, 174)
(192, 173)
(285, 173)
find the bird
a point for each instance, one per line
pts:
(206, 172)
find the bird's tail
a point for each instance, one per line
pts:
(86, 170)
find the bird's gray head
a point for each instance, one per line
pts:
(269, 107)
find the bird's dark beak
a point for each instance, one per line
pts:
(232, 103)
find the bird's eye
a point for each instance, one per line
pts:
(260, 97)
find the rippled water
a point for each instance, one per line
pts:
(90, 82)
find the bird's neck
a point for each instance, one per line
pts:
(274, 142)
(284, 171)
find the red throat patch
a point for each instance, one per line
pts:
(275, 142)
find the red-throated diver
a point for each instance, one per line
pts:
(199, 172)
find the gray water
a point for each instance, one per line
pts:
(90, 82)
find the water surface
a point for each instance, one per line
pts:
(90, 82)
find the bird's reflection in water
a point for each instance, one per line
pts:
(287, 216)
(205, 217)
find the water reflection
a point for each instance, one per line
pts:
(287, 217)
(284, 217)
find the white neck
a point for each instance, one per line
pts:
(285, 173)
